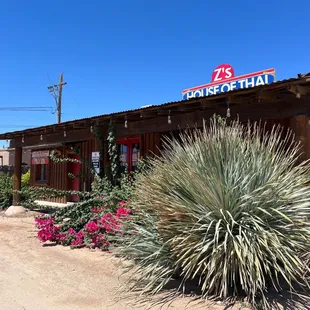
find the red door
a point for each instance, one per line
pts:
(129, 153)
(75, 169)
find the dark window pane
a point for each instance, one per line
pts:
(135, 155)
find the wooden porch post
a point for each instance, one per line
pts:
(17, 177)
(300, 126)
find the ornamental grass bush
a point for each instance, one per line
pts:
(225, 206)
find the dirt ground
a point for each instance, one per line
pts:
(34, 277)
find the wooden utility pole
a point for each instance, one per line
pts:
(56, 91)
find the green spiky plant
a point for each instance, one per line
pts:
(227, 206)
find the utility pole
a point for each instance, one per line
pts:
(56, 91)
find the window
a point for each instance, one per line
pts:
(41, 173)
(40, 161)
(129, 153)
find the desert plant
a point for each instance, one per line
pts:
(227, 205)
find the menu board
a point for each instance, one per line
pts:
(40, 158)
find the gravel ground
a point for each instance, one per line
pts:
(36, 277)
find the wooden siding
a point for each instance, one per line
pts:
(86, 148)
(57, 179)
(58, 172)
(150, 144)
(300, 126)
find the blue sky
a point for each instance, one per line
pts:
(119, 55)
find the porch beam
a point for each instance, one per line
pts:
(76, 135)
(298, 90)
(244, 112)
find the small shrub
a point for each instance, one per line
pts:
(6, 191)
(26, 179)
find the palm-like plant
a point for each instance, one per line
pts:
(227, 205)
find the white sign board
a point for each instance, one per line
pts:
(95, 159)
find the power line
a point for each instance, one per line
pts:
(17, 126)
(28, 109)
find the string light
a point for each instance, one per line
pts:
(126, 124)
(41, 137)
(91, 129)
(228, 110)
(169, 118)
(65, 133)
(23, 139)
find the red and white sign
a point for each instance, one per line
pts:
(40, 158)
(224, 80)
(222, 72)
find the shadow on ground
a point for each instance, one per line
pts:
(284, 300)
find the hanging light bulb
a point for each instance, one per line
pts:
(169, 118)
(91, 129)
(228, 110)
(298, 95)
(23, 139)
(65, 133)
(41, 137)
(126, 124)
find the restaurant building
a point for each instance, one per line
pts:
(139, 132)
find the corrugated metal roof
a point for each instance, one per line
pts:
(302, 78)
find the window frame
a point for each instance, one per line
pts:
(39, 168)
(40, 165)
(129, 142)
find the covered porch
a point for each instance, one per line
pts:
(285, 102)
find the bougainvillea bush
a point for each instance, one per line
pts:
(93, 231)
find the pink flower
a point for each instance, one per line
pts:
(91, 227)
(60, 237)
(47, 229)
(71, 231)
(77, 242)
(122, 212)
(80, 235)
(109, 223)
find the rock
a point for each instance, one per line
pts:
(15, 210)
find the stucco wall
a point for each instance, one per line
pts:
(7, 157)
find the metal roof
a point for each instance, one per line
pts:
(301, 79)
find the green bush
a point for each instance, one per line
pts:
(26, 179)
(225, 206)
(6, 190)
